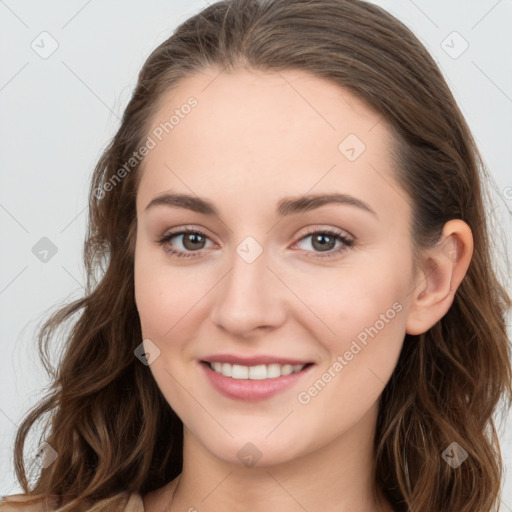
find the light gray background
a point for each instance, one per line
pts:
(58, 114)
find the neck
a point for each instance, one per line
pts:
(336, 477)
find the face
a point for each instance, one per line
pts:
(262, 278)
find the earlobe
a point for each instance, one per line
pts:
(443, 268)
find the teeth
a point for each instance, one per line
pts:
(286, 369)
(273, 371)
(226, 370)
(259, 372)
(239, 372)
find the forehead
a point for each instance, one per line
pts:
(259, 134)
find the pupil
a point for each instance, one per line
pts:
(194, 238)
(323, 245)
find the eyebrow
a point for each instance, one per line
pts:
(286, 206)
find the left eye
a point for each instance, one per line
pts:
(193, 241)
(326, 240)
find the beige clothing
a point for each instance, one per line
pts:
(134, 505)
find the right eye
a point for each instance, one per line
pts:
(190, 238)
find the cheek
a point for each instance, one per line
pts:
(366, 304)
(166, 296)
(367, 316)
(155, 293)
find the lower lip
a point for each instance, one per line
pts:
(251, 390)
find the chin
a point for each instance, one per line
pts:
(256, 451)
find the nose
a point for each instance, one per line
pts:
(249, 298)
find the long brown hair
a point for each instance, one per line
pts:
(113, 431)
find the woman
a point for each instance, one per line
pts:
(291, 303)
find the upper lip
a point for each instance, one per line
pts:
(253, 360)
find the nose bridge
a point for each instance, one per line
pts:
(247, 298)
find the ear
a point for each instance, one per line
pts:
(442, 269)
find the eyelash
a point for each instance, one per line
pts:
(347, 243)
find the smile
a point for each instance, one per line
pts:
(259, 372)
(253, 383)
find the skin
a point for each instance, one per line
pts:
(254, 138)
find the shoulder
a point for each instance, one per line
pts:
(19, 503)
(134, 504)
(158, 499)
(24, 503)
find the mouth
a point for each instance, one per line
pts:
(253, 383)
(255, 372)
